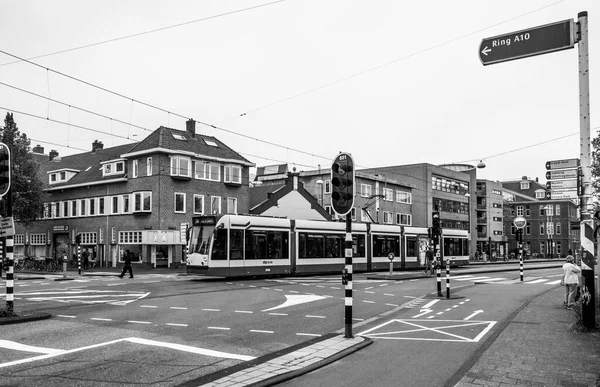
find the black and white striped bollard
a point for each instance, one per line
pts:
(348, 272)
(447, 278)
(10, 282)
(79, 259)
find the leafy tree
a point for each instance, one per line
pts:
(26, 185)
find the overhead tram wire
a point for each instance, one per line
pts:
(149, 31)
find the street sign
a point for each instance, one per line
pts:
(7, 227)
(562, 174)
(525, 43)
(520, 222)
(561, 194)
(391, 256)
(562, 164)
(561, 184)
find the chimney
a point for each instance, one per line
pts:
(53, 153)
(294, 176)
(38, 149)
(97, 145)
(190, 127)
(524, 178)
(537, 180)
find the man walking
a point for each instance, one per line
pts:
(127, 266)
(429, 260)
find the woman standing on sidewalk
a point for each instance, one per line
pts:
(571, 280)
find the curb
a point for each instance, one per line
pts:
(331, 359)
(24, 318)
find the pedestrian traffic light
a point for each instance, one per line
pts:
(342, 184)
(4, 169)
(78, 239)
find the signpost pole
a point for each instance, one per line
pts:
(588, 262)
(348, 290)
(10, 282)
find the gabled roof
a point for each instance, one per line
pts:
(260, 194)
(88, 165)
(181, 140)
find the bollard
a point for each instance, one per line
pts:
(79, 259)
(447, 278)
(438, 272)
(64, 266)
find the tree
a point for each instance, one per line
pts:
(26, 185)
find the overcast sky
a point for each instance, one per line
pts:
(392, 82)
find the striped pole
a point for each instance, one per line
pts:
(348, 288)
(447, 278)
(438, 273)
(521, 260)
(79, 259)
(1, 256)
(10, 283)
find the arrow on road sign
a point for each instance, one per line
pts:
(486, 50)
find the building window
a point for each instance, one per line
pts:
(180, 202)
(528, 229)
(496, 192)
(130, 237)
(231, 205)
(388, 194)
(89, 238)
(404, 219)
(56, 209)
(365, 190)
(74, 208)
(37, 239)
(233, 174)
(550, 228)
(135, 169)
(447, 185)
(100, 206)
(215, 205)
(557, 212)
(524, 185)
(558, 228)
(65, 209)
(198, 204)
(115, 205)
(520, 211)
(364, 215)
(327, 186)
(180, 166)
(353, 213)
(113, 168)
(497, 219)
(126, 205)
(496, 205)
(82, 208)
(92, 207)
(527, 210)
(550, 210)
(328, 209)
(52, 178)
(541, 228)
(142, 201)
(149, 166)
(403, 197)
(540, 194)
(497, 232)
(387, 217)
(19, 239)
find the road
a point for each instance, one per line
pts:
(170, 329)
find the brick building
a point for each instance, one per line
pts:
(138, 197)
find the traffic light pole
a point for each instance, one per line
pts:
(10, 281)
(348, 288)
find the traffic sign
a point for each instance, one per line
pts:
(561, 184)
(7, 227)
(391, 256)
(571, 194)
(562, 174)
(525, 43)
(520, 222)
(562, 164)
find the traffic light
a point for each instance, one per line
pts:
(342, 184)
(78, 239)
(4, 169)
(437, 226)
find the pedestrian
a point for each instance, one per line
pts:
(429, 261)
(86, 258)
(127, 265)
(571, 280)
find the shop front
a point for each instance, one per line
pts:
(154, 248)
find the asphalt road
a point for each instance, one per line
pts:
(167, 330)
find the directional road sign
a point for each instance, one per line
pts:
(525, 43)
(561, 174)
(561, 194)
(562, 164)
(561, 184)
(7, 227)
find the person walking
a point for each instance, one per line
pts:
(127, 265)
(86, 259)
(571, 281)
(429, 260)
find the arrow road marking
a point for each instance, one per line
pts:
(486, 50)
(295, 300)
(473, 314)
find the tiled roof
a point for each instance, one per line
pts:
(260, 193)
(163, 138)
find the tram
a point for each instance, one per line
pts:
(242, 245)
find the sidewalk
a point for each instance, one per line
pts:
(539, 346)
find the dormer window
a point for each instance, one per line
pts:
(524, 185)
(61, 176)
(111, 168)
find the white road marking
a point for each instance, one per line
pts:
(320, 286)
(64, 315)
(148, 306)
(392, 305)
(211, 310)
(293, 291)
(358, 319)
(308, 334)
(383, 285)
(149, 282)
(429, 304)
(389, 294)
(176, 325)
(336, 288)
(470, 278)
(492, 279)
(408, 296)
(178, 307)
(412, 280)
(278, 314)
(118, 284)
(369, 302)
(369, 292)
(473, 314)
(295, 300)
(538, 281)
(553, 282)
(101, 319)
(370, 287)
(312, 316)
(259, 331)
(423, 313)
(243, 311)
(138, 322)
(27, 348)
(219, 328)
(251, 286)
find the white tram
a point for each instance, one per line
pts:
(238, 245)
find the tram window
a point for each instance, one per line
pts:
(454, 246)
(256, 244)
(334, 246)
(277, 244)
(411, 246)
(312, 245)
(219, 251)
(383, 245)
(267, 244)
(236, 245)
(358, 246)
